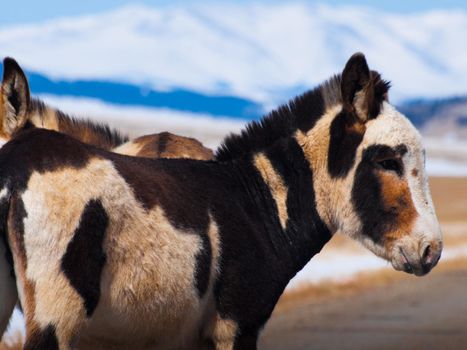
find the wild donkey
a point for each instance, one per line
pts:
(178, 253)
(19, 111)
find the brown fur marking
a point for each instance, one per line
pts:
(276, 185)
(16, 238)
(397, 200)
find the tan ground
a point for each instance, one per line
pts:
(406, 313)
(384, 309)
(450, 198)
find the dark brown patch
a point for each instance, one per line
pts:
(163, 182)
(16, 217)
(44, 339)
(381, 197)
(4, 212)
(246, 341)
(84, 259)
(163, 139)
(39, 150)
(414, 172)
(203, 265)
(346, 134)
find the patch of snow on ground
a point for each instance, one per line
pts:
(444, 167)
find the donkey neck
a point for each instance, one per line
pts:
(84, 130)
(285, 197)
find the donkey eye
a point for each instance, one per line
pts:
(390, 164)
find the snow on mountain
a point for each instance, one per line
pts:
(264, 52)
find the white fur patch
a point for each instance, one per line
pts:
(2, 142)
(391, 128)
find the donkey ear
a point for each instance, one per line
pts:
(15, 96)
(355, 78)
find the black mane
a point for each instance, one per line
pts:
(36, 105)
(104, 135)
(301, 113)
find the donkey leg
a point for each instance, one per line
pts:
(246, 341)
(8, 293)
(223, 333)
(236, 342)
(53, 310)
(226, 335)
(54, 315)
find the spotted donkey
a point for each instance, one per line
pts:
(19, 111)
(112, 251)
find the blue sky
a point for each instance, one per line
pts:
(24, 11)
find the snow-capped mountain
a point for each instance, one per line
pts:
(260, 51)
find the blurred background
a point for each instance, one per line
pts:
(205, 68)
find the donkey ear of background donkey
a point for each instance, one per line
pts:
(16, 98)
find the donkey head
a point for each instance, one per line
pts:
(376, 170)
(14, 99)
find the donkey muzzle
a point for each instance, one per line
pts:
(416, 260)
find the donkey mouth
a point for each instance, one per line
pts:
(415, 269)
(407, 266)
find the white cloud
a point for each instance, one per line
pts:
(255, 50)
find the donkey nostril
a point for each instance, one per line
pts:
(427, 252)
(426, 256)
